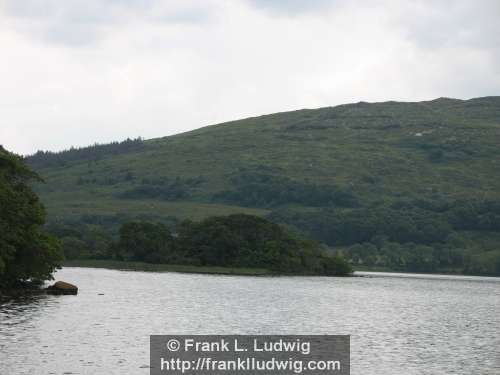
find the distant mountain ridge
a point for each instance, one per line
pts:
(288, 165)
(417, 139)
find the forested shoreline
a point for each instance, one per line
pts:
(414, 234)
(236, 241)
(402, 186)
(29, 254)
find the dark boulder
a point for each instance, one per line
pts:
(61, 287)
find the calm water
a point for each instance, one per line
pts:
(400, 324)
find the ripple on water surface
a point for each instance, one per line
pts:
(399, 323)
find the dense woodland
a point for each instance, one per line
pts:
(262, 189)
(228, 241)
(27, 253)
(417, 236)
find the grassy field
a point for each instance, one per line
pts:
(73, 205)
(140, 266)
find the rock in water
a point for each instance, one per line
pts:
(62, 287)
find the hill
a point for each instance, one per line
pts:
(380, 182)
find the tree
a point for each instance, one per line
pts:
(336, 266)
(249, 241)
(74, 248)
(27, 253)
(142, 241)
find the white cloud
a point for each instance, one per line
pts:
(77, 72)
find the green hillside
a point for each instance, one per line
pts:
(343, 175)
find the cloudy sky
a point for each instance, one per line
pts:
(75, 72)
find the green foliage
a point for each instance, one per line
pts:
(74, 248)
(81, 241)
(91, 236)
(338, 227)
(483, 264)
(454, 254)
(26, 252)
(417, 236)
(480, 215)
(241, 241)
(141, 241)
(257, 189)
(92, 153)
(175, 190)
(416, 173)
(161, 267)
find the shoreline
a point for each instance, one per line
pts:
(438, 272)
(203, 270)
(150, 267)
(237, 271)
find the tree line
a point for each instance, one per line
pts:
(261, 189)
(229, 241)
(46, 159)
(408, 235)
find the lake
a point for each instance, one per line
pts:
(399, 323)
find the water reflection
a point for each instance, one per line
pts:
(20, 309)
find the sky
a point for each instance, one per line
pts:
(77, 72)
